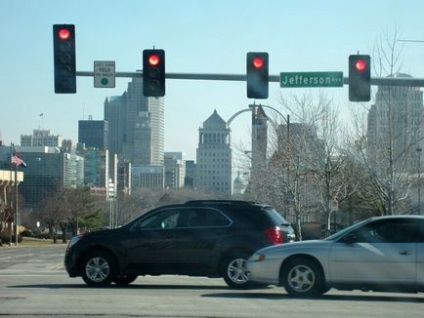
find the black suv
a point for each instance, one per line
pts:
(211, 238)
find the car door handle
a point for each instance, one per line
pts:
(404, 252)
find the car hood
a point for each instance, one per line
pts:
(295, 246)
(102, 232)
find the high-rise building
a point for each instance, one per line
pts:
(136, 126)
(47, 170)
(114, 114)
(190, 173)
(395, 122)
(214, 156)
(144, 127)
(174, 170)
(93, 133)
(41, 137)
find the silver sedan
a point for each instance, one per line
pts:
(380, 254)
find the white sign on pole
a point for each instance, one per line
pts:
(104, 74)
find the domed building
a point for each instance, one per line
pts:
(239, 186)
(214, 156)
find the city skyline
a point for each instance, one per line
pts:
(296, 37)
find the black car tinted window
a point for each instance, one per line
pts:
(202, 217)
(275, 216)
(164, 219)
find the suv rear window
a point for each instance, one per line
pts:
(276, 217)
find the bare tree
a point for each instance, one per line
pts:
(314, 158)
(387, 144)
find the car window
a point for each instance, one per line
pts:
(388, 231)
(276, 217)
(164, 219)
(202, 217)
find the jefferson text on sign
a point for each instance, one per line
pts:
(311, 79)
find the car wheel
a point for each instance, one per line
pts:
(235, 273)
(124, 280)
(98, 269)
(303, 278)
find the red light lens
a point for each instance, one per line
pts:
(360, 65)
(154, 60)
(258, 62)
(64, 34)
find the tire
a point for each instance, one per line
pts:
(98, 269)
(124, 280)
(303, 278)
(235, 273)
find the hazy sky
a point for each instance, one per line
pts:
(198, 37)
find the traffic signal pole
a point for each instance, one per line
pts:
(375, 81)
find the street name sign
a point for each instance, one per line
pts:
(311, 79)
(104, 74)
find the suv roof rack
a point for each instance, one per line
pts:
(220, 201)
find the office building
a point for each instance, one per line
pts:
(114, 114)
(174, 170)
(93, 133)
(41, 137)
(396, 121)
(214, 155)
(137, 133)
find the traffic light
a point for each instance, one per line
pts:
(65, 81)
(359, 78)
(154, 73)
(257, 75)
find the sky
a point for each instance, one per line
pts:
(200, 36)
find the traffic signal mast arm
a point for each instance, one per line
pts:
(377, 81)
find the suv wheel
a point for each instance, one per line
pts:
(235, 273)
(98, 269)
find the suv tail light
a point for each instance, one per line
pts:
(274, 235)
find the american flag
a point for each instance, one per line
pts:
(15, 160)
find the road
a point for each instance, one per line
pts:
(33, 283)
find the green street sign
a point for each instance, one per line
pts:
(311, 79)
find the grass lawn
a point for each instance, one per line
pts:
(32, 241)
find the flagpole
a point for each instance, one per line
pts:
(16, 206)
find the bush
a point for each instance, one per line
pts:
(26, 233)
(6, 240)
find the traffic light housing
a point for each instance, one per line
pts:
(359, 78)
(154, 73)
(257, 75)
(65, 81)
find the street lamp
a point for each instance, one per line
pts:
(419, 150)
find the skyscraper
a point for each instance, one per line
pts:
(114, 114)
(144, 127)
(137, 133)
(214, 156)
(93, 133)
(395, 122)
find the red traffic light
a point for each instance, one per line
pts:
(360, 65)
(154, 60)
(154, 73)
(258, 62)
(257, 75)
(64, 34)
(359, 78)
